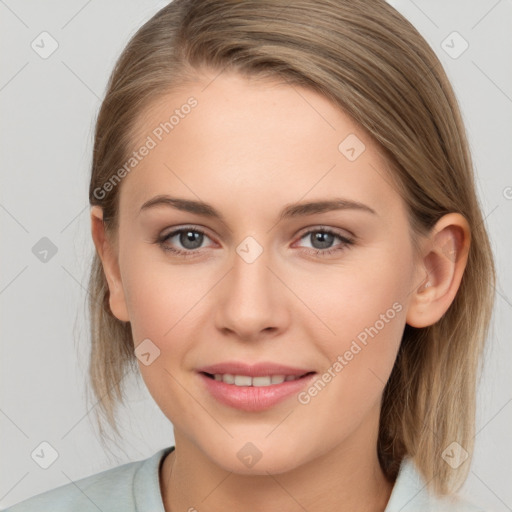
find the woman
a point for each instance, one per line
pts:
(291, 251)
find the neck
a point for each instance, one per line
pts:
(343, 479)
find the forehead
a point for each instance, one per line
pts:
(226, 136)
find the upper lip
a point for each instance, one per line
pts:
(263, 369)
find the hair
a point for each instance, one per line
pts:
(374, 65)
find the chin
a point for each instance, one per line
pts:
(250, 458)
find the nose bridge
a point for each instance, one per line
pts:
(250, 267)
(250, 304)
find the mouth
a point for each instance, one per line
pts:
(266, 386)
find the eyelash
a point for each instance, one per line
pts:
(347, 242)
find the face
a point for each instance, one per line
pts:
(319, 289)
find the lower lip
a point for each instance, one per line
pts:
(254, 398)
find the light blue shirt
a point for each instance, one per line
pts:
(135, 487)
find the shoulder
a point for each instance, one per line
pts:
(121, 488)
(410, 493)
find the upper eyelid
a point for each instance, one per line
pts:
(316, 227)
(321, 227)
(176, 230)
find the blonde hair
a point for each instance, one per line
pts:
(372, 63)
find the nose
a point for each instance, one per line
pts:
(251, 301)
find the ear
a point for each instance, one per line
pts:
(442, 263)
(109, 260)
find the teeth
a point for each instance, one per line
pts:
(261, 381)
(228, 378)
(242, 380)
(246, 380)
(277, 379)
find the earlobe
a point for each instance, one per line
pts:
(442, 265)
(110, 263)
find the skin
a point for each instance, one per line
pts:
(269, 145)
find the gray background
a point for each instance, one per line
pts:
(48, 111)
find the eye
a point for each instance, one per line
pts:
(190, 238)
(322, 239)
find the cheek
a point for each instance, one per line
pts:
(163, 303)
(365, 308)
(360, 295)
(160, 304)
(159, 297)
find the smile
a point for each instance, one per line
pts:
(253, 394)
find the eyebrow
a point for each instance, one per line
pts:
(289, 211)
